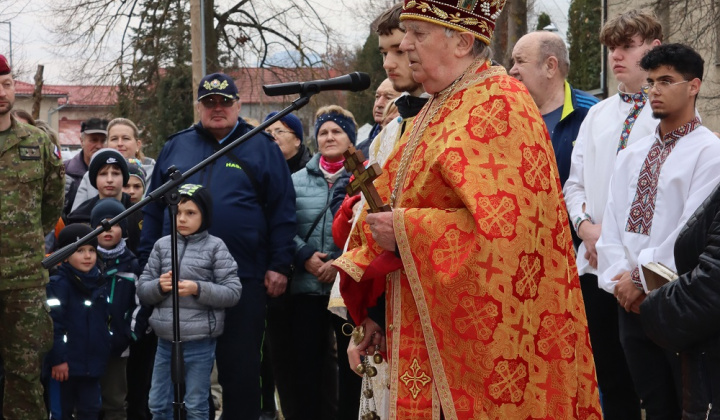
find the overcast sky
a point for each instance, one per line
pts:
(33, 43)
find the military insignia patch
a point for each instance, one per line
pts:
(29, 152)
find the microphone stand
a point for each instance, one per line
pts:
(168, 192)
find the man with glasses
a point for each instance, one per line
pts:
(609, 127)
(253, 213)
(657, 184)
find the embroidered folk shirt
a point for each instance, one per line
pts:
(679, 188)
(593, 159)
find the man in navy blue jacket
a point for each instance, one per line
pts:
(541, 62)
(254, 214)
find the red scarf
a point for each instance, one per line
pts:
(331, 167)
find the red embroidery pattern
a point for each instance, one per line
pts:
(643, 206)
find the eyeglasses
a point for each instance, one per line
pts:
(660, 85)
(223, 101)
(276, 132)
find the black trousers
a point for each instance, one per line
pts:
(302, 349)
(139, 376)
(655, 371)
(618, 396)
(82, 395)
(349, 383)
(238, 353)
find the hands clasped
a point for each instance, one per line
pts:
(185, 287)
(627, 294)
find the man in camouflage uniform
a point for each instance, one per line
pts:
(31, 198)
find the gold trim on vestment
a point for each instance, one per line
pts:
(439, 378)
(349, 267)
(435, 404)
(396, 320)
(336, 302)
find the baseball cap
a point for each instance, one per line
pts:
(217, 84)
(93, 126)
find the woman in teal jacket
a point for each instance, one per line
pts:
(309, 320)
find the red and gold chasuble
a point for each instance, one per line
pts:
(485, 318)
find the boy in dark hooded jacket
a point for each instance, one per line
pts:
(81, 347)
(208, 283)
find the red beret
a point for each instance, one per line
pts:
(4, 66)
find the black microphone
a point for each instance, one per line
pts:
(353, 82)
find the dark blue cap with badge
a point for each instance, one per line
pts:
(217, 84)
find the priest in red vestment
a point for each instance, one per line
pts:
(484, 314)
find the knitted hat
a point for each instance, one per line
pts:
(346, 123)
(202, 198)
(135, 169)
(107, 157)
(74, 232)
(475, 16)
(107, 208)
(292, 122)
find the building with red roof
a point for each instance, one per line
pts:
(66, 106)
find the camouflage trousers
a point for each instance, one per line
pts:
(26, 333)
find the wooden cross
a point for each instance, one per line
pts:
(364, 179)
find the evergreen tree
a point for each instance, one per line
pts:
(368, 60)
(585, 59)
(543, 21)
(157, 95)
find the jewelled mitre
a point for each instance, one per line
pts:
(475, 16)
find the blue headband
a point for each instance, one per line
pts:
(347, 125)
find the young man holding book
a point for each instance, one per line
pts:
(657, 183)
(608, 128)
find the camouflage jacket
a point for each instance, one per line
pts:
(31, 199)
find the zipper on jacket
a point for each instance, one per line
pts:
(707, 413)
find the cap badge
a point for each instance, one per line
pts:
(215, 84)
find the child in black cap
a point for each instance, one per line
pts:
(81, 346)
(208, 283)
(109, 173)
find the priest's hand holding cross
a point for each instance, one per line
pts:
(380, 218)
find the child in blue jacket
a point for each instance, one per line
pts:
(120, 269)
(81, 346)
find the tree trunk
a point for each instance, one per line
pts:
(662, 10)
(517, 23)
(211, 38)
(196, 48)
(500, 38)
(37, 93)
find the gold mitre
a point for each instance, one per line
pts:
(475, 16)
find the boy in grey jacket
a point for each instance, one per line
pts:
(208, 283)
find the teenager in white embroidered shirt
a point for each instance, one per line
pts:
(657, 183)
(608, 128)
